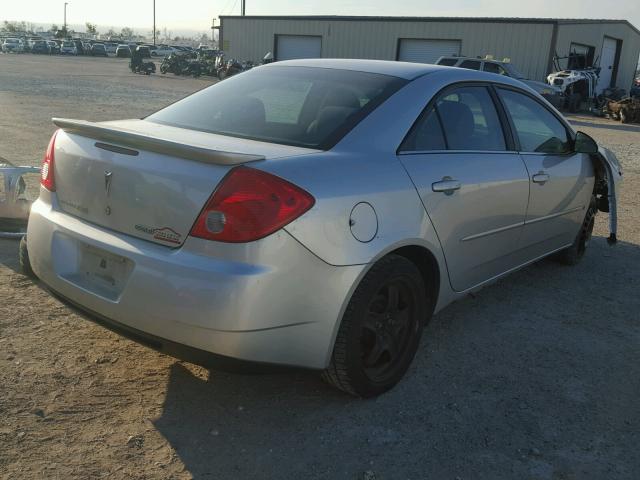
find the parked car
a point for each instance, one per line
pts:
(123, 51)
(80, 50)
(111, 48)
(161, 50)
(550, 92)
(54, 47)
(98, 49)
(12, 45)
(40, 46)
(279, 217)
(68, 48)
(144, 50)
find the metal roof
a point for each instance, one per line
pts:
(558, 21)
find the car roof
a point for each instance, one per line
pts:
(404, 70)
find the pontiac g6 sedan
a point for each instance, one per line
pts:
(312, 213)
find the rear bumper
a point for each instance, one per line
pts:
(269, 301)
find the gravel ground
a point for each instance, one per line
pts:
(535, 377)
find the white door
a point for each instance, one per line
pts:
(607, 62)
(426, 51)
(291, 47)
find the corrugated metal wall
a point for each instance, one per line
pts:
(592, 34)
(526, 44)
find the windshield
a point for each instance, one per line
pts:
(68, 44)
(302, 106)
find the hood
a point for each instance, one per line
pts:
(541, 87)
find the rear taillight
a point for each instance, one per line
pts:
(46, 174)
(248, 205)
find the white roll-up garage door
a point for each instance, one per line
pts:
(290, 47)
(426, 51)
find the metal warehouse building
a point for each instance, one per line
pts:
(529, 43)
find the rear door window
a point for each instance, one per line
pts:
(426, 134)
(470, 120)
(464, 118)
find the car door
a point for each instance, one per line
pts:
(474, 187)
(561, 180)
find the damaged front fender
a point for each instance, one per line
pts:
(607, 193)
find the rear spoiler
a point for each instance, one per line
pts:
(129, 138)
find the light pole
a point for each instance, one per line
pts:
(154, 23)
(243, 7)
(65, 17)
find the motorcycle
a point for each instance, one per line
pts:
(230, 68)
(173, 63)
(181, 65)
(146, 68)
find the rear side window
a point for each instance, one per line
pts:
(537, 128)
(426, 134)
(464, 118)
(302, 106)
(469, 120)
(448, 62)
(470, 64)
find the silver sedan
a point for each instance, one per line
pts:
(312, 213)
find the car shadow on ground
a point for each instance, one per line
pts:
(503, 386)
(9, 253)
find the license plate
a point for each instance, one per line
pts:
(103, 270)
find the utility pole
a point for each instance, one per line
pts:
(243, 7)
(154, 23)
(213, 30)
(65, 17)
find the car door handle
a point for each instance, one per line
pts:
(447, 185)
(540, 177)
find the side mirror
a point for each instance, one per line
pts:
(585, 144)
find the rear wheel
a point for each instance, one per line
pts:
(573, 254)
(380, 330)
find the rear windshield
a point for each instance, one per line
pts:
(301, 106)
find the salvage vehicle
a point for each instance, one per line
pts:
(54, 47)
(68, 48)
(40, 46)
(280, 218)
(98, 50)
(551, 93)
(12, 45)
(123, 51)
(576, 85)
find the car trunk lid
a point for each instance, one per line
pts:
(145, 179)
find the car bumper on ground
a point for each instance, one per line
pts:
(204, 295)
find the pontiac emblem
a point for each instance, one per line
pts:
(107, 181)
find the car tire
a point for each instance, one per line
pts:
(380, 329)
(573, 254)
(23, 257)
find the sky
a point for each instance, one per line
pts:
(196, 15)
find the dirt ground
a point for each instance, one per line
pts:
(535, 377)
